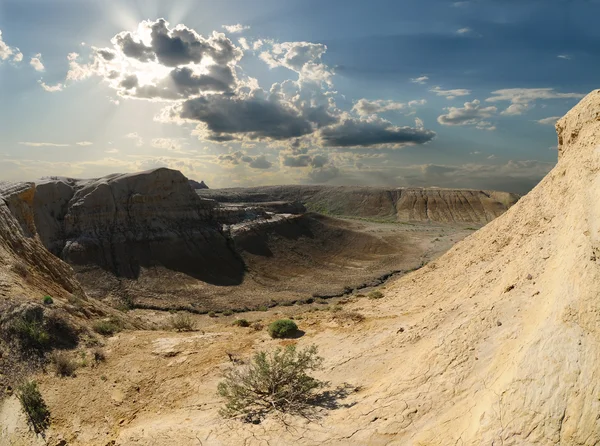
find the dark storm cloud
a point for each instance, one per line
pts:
(236, 158)
(253, 117)
(365, 133)
(177, 46)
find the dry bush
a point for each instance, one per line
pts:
(182, 322)
(375, 295)
(98, 355)
(275, 381)
(34, 406)
(257, 326)
(241, 323)
(343, 317)
(107, 327)
(64, 365)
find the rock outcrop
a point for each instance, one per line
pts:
(122, 223)
(402, 204)
(196, 185)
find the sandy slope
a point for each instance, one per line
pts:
(501, 340)
(496, 342)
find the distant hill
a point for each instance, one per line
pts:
(196, 185)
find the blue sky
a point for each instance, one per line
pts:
(237, 93)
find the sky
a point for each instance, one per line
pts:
(236, 93)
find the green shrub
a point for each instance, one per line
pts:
(107, 328)
(241, 323)
(182, 322)
(282, 328)
(227, 313)
(276, 381)
(375, 295)
(30, 332)
(34, 406)
(212, 314)
(63, 364)
(262, 308)
(48, 300)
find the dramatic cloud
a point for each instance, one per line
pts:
(239, 157)
(450, 94)
(298, 156)
(36, 63)
(420, 80)
(51, 88)
(471, 114)
(323, 174)
(235, 28)
(157, 62)
(227, 118)
(549, 121)
(372, 132)
(522, 99)
(304, 58)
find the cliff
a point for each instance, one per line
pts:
(401, 204)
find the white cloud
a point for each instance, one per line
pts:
(549, 121)
(516, 109)
(471, 114)
(450, 94)
(5, 50)
(112, 151)
(463, 31)
(84, 143)
(522, 99)
(564, 56)
(167, 144)
(43, 144)
(305, 58)
(238, 28)
(18, 57)
(420, 80)
(36, 63)
(138, 140)
(51, 88)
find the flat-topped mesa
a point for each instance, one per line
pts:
(580, 126)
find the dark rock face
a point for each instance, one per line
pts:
(124, 222)
(402, 204)
(196, 185)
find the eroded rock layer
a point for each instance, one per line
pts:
(402, 204)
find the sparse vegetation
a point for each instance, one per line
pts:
(375, 295)
(335, 308)
(257, 326)
(63, 364)
(212, 314)
(182, 322)
(29, 331)
(34, 406)
(98, 355)
(282, 328)
(48, 300)
(107, 327)
(276, 381)
(262, 308)
(348, 316)
(227, 313)
(241, 323)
